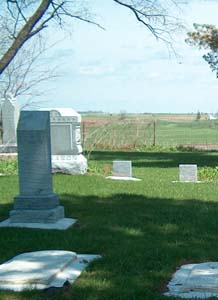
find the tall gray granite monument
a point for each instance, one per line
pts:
(37, 203)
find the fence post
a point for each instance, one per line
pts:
(154, 133)
(83, 136)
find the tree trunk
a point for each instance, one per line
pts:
(25, 33)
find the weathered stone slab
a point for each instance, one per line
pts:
(195, 281)
(188, 173)
(42, 269)
(35, 267)
(202, 277)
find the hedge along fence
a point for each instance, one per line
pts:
(127, 135)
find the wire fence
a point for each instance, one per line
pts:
(127, 135)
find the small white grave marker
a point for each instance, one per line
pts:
(188, 173)
(122, 168)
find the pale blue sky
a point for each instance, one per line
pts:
(125, 68)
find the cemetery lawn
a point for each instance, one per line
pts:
(143, 230)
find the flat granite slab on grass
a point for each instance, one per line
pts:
(42, 269)
(195, 281)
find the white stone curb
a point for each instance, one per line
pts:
(123, 178)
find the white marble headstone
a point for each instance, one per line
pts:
(10, 116)
(122, 168)
(65, 131)
(188, 173)
(66, 145)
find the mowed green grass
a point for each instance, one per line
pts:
(143, 230)
(194, 132)
(141, 133)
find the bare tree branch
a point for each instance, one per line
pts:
(23, 35)
(33, 16)
(27, 71)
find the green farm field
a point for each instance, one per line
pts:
(138, 132)
(143, 230)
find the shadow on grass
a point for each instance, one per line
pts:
(142, 241)
(4, 211)
(158, 159)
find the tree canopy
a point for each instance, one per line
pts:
(20, 20)
(206, 36)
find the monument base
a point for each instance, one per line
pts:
(37, 215)
(8, 148)
(62, 224)
(69, 164)
(38, 202)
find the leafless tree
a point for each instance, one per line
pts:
(31, 17)
(27, 71)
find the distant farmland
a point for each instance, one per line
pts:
(137, 131)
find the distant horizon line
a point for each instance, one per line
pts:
(144, 113)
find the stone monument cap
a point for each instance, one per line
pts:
(63, 112)
(38, 120)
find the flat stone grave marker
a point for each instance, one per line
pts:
(188, 173)
(195, 281)
(122, 170)
(42, 269)
(37, 203)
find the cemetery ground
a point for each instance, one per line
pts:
(143, 230)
